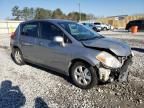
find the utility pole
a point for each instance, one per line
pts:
(79, 11)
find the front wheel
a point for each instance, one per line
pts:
(18, 57)
(83, 75)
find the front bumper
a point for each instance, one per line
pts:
(119, 74)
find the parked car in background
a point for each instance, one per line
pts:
(98, 27)
(102, 25)
(71, 49)
(110, 27)
(92, 26)
(138, 23)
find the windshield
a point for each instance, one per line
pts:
(78, 31)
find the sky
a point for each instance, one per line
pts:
(96, 7)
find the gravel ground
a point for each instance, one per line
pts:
(29, 86)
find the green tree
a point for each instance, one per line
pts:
(16, 12)
(76, 16)
(83, 16)
(27, 13)
(73, 16)
(32, 13)
(58, 14)
(41, 13)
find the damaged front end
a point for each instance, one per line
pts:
(109, 74)
(114, 57)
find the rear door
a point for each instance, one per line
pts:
(29, 39)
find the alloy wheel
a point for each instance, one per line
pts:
(18, 56)
(82, 75)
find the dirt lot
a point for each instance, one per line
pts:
(29, 86)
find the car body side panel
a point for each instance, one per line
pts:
(28, 47)
(86, 54)
(59, 57)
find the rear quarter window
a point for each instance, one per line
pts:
(29, 29)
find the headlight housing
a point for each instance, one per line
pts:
(108, 60)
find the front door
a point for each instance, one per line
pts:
(50, 52)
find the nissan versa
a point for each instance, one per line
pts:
(71, 49)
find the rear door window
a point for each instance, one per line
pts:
(30, 29)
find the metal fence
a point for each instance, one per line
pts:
(7, 26)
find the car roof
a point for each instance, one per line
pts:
(48, 20)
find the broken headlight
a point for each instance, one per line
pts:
(108, 60)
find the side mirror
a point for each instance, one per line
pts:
(60, 40)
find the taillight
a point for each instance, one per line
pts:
(13, 35)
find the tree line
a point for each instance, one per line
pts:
(40, 13)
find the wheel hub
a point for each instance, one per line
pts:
(18, 56)
(82, 75)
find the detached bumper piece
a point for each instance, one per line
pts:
(123, 75)
(120, 75)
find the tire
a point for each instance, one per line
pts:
(79, 80)
(95, 29)
(105, 29)
(18, 57)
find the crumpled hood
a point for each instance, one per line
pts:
(117, 47)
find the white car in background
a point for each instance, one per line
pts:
(103, 26)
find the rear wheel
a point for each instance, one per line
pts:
(104, 28)
(83, 75)
(18, 57)
(95, 29)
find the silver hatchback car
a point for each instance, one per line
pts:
(71, 49)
